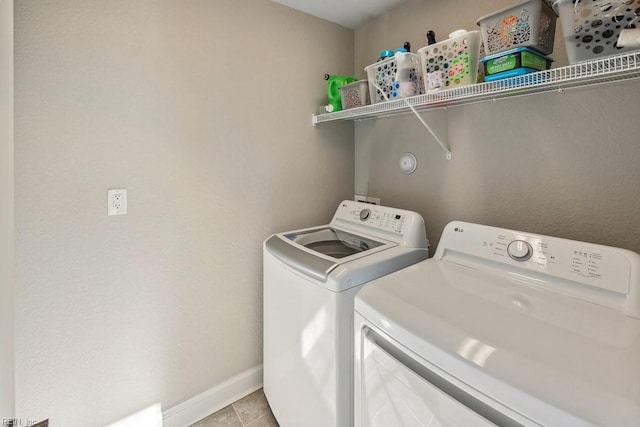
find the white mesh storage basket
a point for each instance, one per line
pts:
(452, 62)
(395, 82)
(355, 94)
(531, 23)
(591, 27)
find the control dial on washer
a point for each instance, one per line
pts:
(520, 250)
(365, 214)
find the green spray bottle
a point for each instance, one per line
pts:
(333, 91)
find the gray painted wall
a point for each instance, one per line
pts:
(6, 211)
(563, 164)
(202, 110)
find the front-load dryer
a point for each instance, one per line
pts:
(310, 279)
(501, 327)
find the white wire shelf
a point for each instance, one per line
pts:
(610, 69)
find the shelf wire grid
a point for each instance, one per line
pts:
(609, 69)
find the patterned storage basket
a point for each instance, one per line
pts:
(452, 62)
(385, 75)
(531, 23)
(355, 94)
(591, 27)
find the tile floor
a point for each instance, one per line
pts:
(250, 411)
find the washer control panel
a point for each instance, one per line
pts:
(402, 226)
(595, 265)
(384, 219)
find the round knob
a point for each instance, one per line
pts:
(520, 250)
(365, 214)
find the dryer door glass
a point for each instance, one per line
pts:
(332, 242)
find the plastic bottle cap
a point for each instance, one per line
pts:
(431, 37)
(457, 33)
(401, 49)
(386, 54)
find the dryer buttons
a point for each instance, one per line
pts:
(519, 250)
(365, 214)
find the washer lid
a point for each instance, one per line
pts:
(555, 359)
(318, 251)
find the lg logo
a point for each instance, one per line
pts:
(458, 230)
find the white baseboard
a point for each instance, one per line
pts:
(214, 399)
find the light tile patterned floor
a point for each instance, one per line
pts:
(250, 411)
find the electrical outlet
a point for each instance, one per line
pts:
(117, 201)
(367, 199)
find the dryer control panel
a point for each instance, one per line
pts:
(602, 274)
(398, 225)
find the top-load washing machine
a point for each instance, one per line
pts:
(310, 279)
(504, 328)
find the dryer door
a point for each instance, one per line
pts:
(394, 389)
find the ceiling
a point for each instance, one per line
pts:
(348, 13)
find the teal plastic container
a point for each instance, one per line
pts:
(507, 74)
(521, 57)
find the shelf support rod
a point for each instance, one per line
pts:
(438, 140)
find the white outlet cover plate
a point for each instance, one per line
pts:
(117, 201)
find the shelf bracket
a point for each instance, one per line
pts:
(438, 140)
